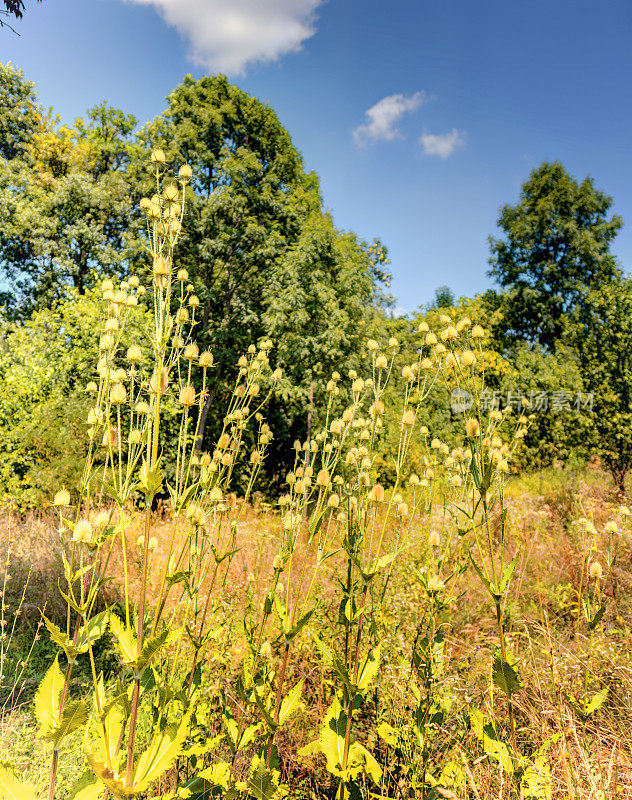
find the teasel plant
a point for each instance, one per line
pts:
(168, 619)
(373, 527)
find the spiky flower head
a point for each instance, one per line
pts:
(62, 498)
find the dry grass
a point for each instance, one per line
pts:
(591, 759)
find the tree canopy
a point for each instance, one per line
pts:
(556, 248)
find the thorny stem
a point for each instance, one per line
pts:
(277, 705)
(62, 702)
(345, 753)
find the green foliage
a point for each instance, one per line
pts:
(600, 333)
(45, 366)
(556, 248)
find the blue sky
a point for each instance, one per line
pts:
(467, 98)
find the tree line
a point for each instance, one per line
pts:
(265, 260)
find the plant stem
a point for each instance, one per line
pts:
(277, 705)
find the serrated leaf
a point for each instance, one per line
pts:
(361, 761)
(369, 669)
(73, 717)
(60, 638)
(126, 639)
(217, 774)
(596, 701)
(505, 676)
(489, 739)
(163, 750)
(291, 702)
(13, 789)
(92, 631)
(507, 574)
(47, 699)
(150, 648)
(302, 622)
(388, 734)
(263, 783)
(88, 787)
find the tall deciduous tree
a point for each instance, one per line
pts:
(556, 248)
(600, 333)
(251, 205)
(64, 197)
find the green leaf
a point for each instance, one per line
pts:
(291, 702)
(13, 789)
(263, 783)
(61, 639)
(507, 574)
(47, 700)
(73, 717)
(161, 754)
(87, 788)
(302, 622)
(369, 668)
(505, 676)
(150, 648)
(488, 737)
(217, 774)
(485, 581)
(596, 701)
(126, 639)
(388, 734)
(592, 624)
(92, 631)
(360, 760)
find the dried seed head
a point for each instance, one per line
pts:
(333, 501)
(478, 332)
(468, 358)
(187, 396)
(377, 493)
(62, 498)
(118, 394)
(158, 156)
(322, 479)
(434, 539)
(82, 532)
(381, 362)
(472, 428)
(191, 351)
(134, 353)
(372, 345)
(423, 328)
(142, 407)
(408, 417)
(426, 363)
(159, 382)
(182, 316)
(194, 301)
(91, 387)
(596, 571)
(206, 359)
(161, 267)
(185, 172)
(135, 436)
(357, 385)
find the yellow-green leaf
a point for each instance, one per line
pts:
(13, 789)
(126, 640)
(291, 702)
(47, 699)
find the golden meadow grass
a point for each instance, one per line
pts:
(437, 635)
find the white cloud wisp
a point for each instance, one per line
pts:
(382, 118)
(229, 35)
(442, 144)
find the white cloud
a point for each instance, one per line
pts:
(442, 144)
(382, 118)
(229, 35)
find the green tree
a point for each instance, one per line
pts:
(64, 199)
(556, 248)
(20, 112)
(600, 333)
(251, 205)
